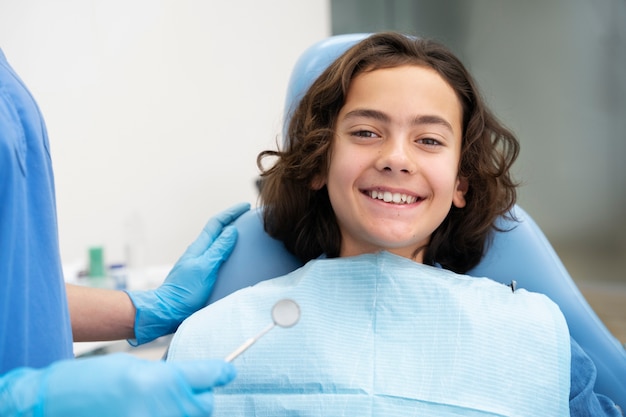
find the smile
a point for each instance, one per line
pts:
(389, 197)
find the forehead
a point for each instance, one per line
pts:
(413, 84)
(404, 93)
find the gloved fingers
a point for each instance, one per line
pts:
(203, 375)
(204, 265)
(227, 216)
(213, 228)
(205, 401)
(221, 248)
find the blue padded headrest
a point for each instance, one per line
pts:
(311, 64)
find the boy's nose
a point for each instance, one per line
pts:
(394, 157)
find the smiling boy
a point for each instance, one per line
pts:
(393, 174)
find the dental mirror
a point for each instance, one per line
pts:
(285, 313)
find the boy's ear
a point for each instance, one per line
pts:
(462, 185)
(318, 182)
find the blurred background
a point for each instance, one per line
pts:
(156, 110)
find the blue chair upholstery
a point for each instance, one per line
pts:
(522, 254)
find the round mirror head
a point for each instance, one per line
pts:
(286, 313)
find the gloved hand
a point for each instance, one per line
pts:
(188, 285)
(114, 385)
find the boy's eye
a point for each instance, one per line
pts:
(429, 141)
(364, 134)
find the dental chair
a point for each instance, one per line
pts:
(522, 254)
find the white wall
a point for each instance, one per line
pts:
(156, 110)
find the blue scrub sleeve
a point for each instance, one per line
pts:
(34, 317)
(584, 402)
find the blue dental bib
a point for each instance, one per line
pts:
(381, 335)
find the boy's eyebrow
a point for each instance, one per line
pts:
(369, 114)
(383, 117)
(432, 120)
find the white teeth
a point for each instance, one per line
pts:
(396, 198)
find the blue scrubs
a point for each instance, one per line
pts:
(34, 318)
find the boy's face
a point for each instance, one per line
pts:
(393, 173)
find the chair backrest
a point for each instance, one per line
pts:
(522, 254)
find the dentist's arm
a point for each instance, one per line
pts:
(100, 314)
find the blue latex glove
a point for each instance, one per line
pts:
(189, 284)
(113, 385)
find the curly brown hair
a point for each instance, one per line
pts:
(302, 217)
